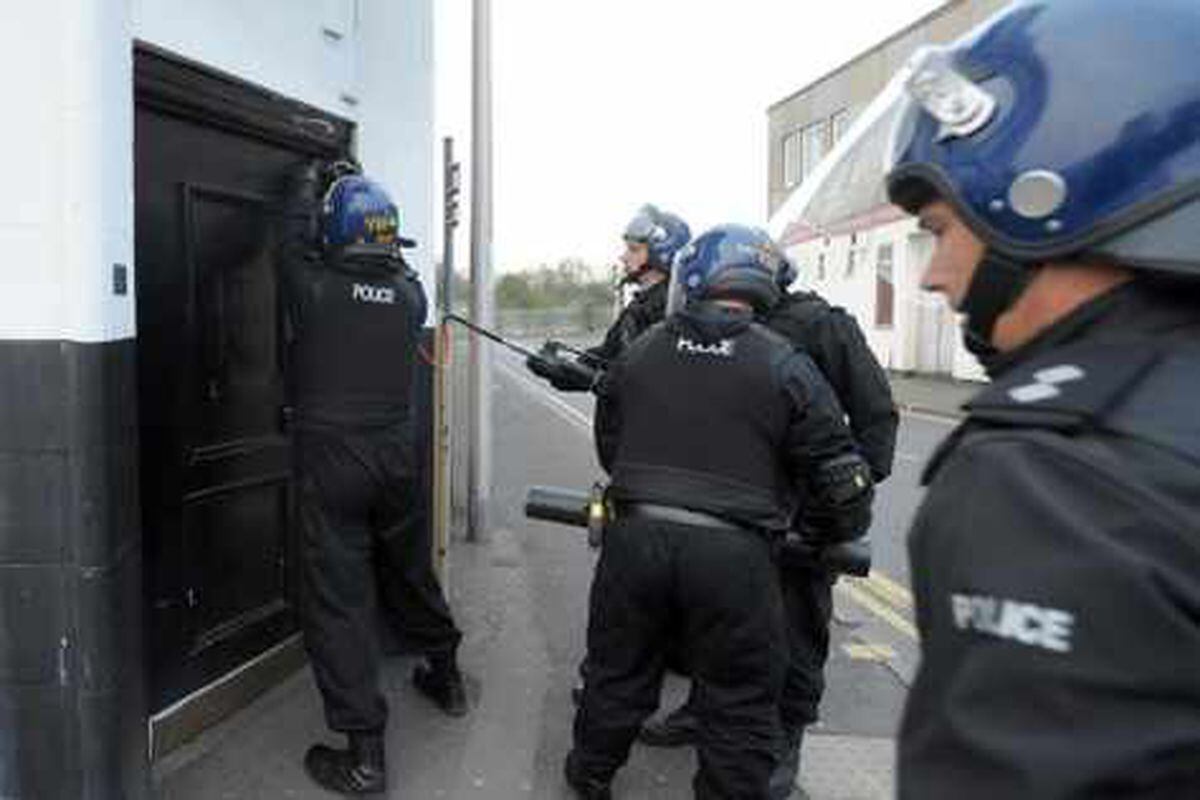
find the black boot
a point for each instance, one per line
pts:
(585, 787)
(359, 769)
(679, 728)
(783, 779)
(440, 680)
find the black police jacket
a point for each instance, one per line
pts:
(1056, 568)
(833, 340)
(712, 412)
(647, 307)
(354, 321)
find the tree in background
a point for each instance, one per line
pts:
(566, 298)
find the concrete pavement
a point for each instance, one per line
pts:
(926, 394)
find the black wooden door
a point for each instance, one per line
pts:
(214, 454)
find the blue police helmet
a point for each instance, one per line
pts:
(729, 261)
(1063, 128)
(357, 211)
(662, 232)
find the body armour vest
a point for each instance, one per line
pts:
(703, 424)
(355, 336)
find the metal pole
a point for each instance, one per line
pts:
(479, 469)
(443, 395)
(451, 189)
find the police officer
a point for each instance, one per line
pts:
(834, 341)
(355, 309)
(1054, 155)
(711, 428)
(652, 238)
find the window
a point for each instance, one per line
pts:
(792, 164)
(814, 146)
(839, 123)
(852, 256)
(885, 290)
(803, 149)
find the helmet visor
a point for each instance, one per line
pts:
(677, 295)
(644, 227)
(849, 181)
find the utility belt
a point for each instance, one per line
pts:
(656, 512)
(596, 510)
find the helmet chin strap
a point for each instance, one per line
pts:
(997, 283)
(639, 273)
(631, 277)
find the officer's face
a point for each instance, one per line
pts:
(956, 252)
(635, 257)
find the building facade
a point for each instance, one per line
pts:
(871, 265)
(147, 578)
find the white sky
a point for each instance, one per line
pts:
(602, 106)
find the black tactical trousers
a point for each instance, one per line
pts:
(718, 590)
(808, 606)
(361, 514)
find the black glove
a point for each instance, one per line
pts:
(592, 360)
(302, 207)
(574, 377)
(840, 510)
(564, 374)
(541, 366)
(798, 552)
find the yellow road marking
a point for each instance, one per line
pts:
(865, 651)
(887, 589)
(879, 608)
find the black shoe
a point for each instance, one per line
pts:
(357, 770)
(444, 687)
(783, 780)
(678, 729)
(585, 788)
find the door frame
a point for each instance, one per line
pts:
(173, 85)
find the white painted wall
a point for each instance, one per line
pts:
(68, 215)
(304, 49)
(396, 128)
(896, 346)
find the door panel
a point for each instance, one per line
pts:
(235, 508)
(216, 493)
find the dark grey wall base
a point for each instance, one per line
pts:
(72, 688)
